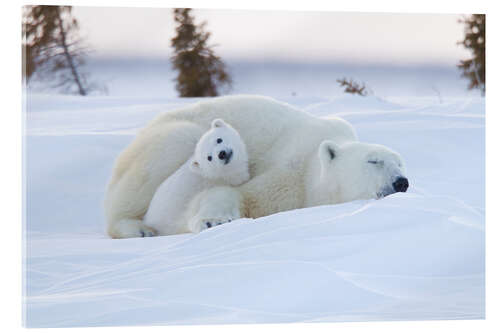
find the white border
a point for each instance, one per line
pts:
(11, 193)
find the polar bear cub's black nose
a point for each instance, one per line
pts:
(222, 155)
(401, 184)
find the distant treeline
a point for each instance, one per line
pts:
(54, 52)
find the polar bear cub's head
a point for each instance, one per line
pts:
(221, 154)
(356, 170)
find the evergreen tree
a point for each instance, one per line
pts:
(53, 48)
(474, 69)
(200, 72)
(38, 28)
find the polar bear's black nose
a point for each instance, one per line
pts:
(401, 184)
(222, 155)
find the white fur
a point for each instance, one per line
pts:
(168, 211)
(282, 143)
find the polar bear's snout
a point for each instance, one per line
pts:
(401, 184)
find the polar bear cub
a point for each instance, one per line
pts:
(220, 158)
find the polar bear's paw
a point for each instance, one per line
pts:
(130, 228)
(147, 231)
(209, 223)
(199, 225)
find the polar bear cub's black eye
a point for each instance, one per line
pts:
(373, 162)
(209, 158)
(219, 140)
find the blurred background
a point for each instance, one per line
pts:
(190, 53)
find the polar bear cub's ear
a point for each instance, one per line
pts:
(328, 151)
(218, 123)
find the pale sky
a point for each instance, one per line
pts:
(282, 35)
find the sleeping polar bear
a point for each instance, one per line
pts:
(287, 153)
(220, 158)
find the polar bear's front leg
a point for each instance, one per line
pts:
(214, 207)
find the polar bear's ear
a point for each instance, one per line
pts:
(195, 166)
(218, 123)
(328, 151)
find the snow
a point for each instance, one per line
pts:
(410, 256)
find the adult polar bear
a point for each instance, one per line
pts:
(282, 144)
